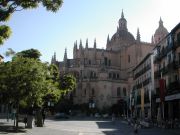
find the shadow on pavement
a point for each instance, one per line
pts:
(5, 129)
(78, 119)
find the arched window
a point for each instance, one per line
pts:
(117, 76)
(109, 75)
(84, 92)
(118, 92)
(109, 62)
(129, 59)
(93, 92)
(124, 91)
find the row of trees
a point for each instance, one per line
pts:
(26, 81)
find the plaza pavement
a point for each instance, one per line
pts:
(84, 126)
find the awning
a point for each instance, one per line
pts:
(169, 98)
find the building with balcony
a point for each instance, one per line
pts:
(143, 88)
(167, 74)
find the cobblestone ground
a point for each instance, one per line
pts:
(91, 127)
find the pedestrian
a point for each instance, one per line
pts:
(135, 127)
(25, 121)
(113, 118)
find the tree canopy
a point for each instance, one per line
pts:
(30, 53)
(67, 82)
(25, 79)
(8, 7)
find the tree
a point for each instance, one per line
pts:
(25, 80)
(30, 53)
(8, 7)
(67, 83)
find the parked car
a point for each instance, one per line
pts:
(97, 115)
(61, 116)
(105, 115)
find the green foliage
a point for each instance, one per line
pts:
(54, 72)
(52, 5)
(30, 53)
(8, 7)
(4, 15)
(5, 32)
(25, 80)
(68, 83)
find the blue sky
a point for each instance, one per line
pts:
(81, 19)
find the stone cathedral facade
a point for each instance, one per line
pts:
(104, 76)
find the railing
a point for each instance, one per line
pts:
(148, 67)
(170, 67)
(163, 53)
(147, 81)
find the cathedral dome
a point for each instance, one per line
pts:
(160, 32)
(123, 36)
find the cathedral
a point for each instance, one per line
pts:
(104, 76)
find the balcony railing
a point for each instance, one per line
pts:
(147, 81)
(173, 66)
(148, 67)
(162, 53)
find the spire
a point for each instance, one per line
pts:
(65, 55)
(122, 22)
(80, 44)
(108, 39)
(138, 37)
(122, 14)
(54, 56)
(160, 22)
(95, 43)
(75, 46)
(86, 43)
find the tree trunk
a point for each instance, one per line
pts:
(39, 121)
(17, 116)
(29, 121)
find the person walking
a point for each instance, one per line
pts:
(113, 118)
